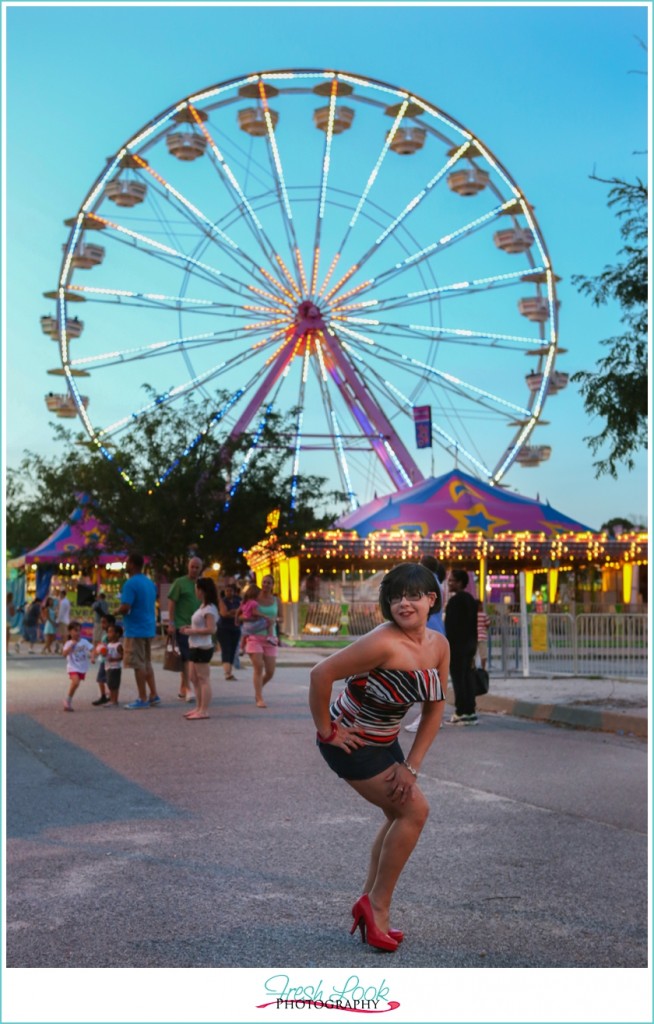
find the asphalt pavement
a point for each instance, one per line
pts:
(138, 839)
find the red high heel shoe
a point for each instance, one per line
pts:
(396, 934)
(370, 933)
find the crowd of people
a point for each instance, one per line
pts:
(200, 620)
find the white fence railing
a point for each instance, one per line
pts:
(583, 645)
(558, 643)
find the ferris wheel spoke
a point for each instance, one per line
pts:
(181, 390)
(208, 228)
(371, 419)
(284, 201)
(439, 246)
(463, 388)
(374, 173)
(190, 210)
(153, 300)
(234, 188)
(462, 336)
(331, 417)
(414, 204)
(159, 248)
(158, 348)
(354, 267)
(454, 290)
(297, 447)
(277, 364)
(446, 441)
(324, 177)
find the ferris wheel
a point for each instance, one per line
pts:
(321, 242)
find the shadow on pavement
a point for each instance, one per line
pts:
(53, 783)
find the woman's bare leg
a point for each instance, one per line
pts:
(375, 852)
(269, 665)
(394, 842)
(202, 676)
(257, 678)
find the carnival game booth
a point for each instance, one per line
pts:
(494, 534)
(78, 557)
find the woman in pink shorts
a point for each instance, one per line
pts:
(261, 643)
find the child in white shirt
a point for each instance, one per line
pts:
(77, 651)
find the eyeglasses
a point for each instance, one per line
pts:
(414, 596)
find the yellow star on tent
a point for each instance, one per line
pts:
(476, 520)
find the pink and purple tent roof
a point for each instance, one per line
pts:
(461, 504)
(82, 535)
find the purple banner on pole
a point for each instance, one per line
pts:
(422, 420)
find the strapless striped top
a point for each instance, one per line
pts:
(377, 702)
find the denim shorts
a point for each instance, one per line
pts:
(362, 763)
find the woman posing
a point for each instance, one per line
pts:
(201, 646)
(386, 671)
(261, 647)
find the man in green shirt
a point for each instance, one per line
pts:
(182, 602)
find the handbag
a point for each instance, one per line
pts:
(172, 658)
(480, 680)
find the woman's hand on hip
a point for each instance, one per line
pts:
(346, 737)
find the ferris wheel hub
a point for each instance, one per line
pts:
(309, 317)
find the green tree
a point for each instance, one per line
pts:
(616, 390)
(199, 498)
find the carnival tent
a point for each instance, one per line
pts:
(458, 503)
(82, 536)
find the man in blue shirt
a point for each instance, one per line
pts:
(138, 598)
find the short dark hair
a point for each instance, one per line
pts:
(108, 618)
(434, 566)
(461, 576)
(136, 558)
(404, 577)
(207, 588)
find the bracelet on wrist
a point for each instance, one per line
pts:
(412, 770)
(332, 733)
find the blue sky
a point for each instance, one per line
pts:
(556, 93)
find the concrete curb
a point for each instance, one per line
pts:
(568, 714)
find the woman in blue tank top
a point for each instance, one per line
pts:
(386, 672)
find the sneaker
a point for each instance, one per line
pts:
(136, 704)
(101, 700)
(412, 726)
(68, 704)
(154, 701)
(458, 719)
(471, 720)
